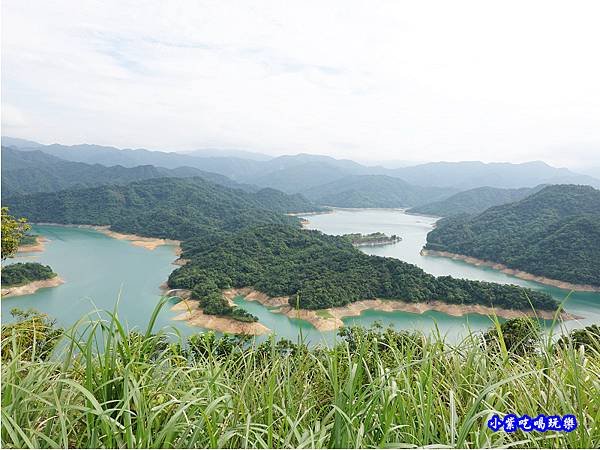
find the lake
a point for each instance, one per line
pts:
(99, 270)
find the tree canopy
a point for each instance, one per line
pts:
(322, 271)
(554, 233)
(13, 230)
(23, 273)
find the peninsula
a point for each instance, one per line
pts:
(26, 278)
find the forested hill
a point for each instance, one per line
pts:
(235, 238)
(374, 191)
(554, 233)
(328, 271)
(26, 172)
(162, 207)
(473, 201)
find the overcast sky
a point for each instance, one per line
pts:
(509, 81)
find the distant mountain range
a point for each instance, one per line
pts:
(554, 233)
(25, 172)
(473, 201)
(374, 191)
(313, 175)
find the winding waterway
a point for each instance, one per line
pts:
(99, 270)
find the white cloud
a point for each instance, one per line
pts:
(382, 79)
(12, 118)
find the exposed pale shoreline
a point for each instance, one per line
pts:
(331, 318)
(139, 241)
(30, 288)
(514, 272)
(190, 311)
(37, 247)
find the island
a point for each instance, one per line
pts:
(26, 278)
(377, 238)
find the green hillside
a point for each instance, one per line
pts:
(235, 238)
(329, 271)
(161, 207)
(473, 201)
(554, 233)
(373, 191)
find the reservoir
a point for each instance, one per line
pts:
(101, 272)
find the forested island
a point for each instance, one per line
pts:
(554, 233)
(234, 239)
(26, 278)
(377, 238)
(23, 273)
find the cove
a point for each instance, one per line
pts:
(99, 270)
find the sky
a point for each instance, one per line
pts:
(370, 80)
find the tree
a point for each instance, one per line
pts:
(588, 338)
(13, 230)
(520, 336)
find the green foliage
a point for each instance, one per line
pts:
(376, 238)
(13, 231)
(554, 233)
(473, 201)
(519, 336)
(588, 338)
(328, 271)
(163, 207)
(23, 273)
(29, 239)
(108, 388)
(32, 337)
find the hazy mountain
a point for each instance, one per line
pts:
(373, 191)
(19, 143)
(295, 173)
(471, 174)
(111, 156)
(298, 178)
(473, 201)
(227, 152)
(554, 233)
(35, 171)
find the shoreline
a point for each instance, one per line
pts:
(39, 246)
(514, 272)
(189, 311)
(139, 241)
(30, 288)
(331, 319)
(309, 213)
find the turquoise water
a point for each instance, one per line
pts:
(98, 270)
(413, 231)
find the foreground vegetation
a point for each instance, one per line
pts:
(554, 233)
(99, 386)
(23, 273)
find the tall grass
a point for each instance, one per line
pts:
(106, 387)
